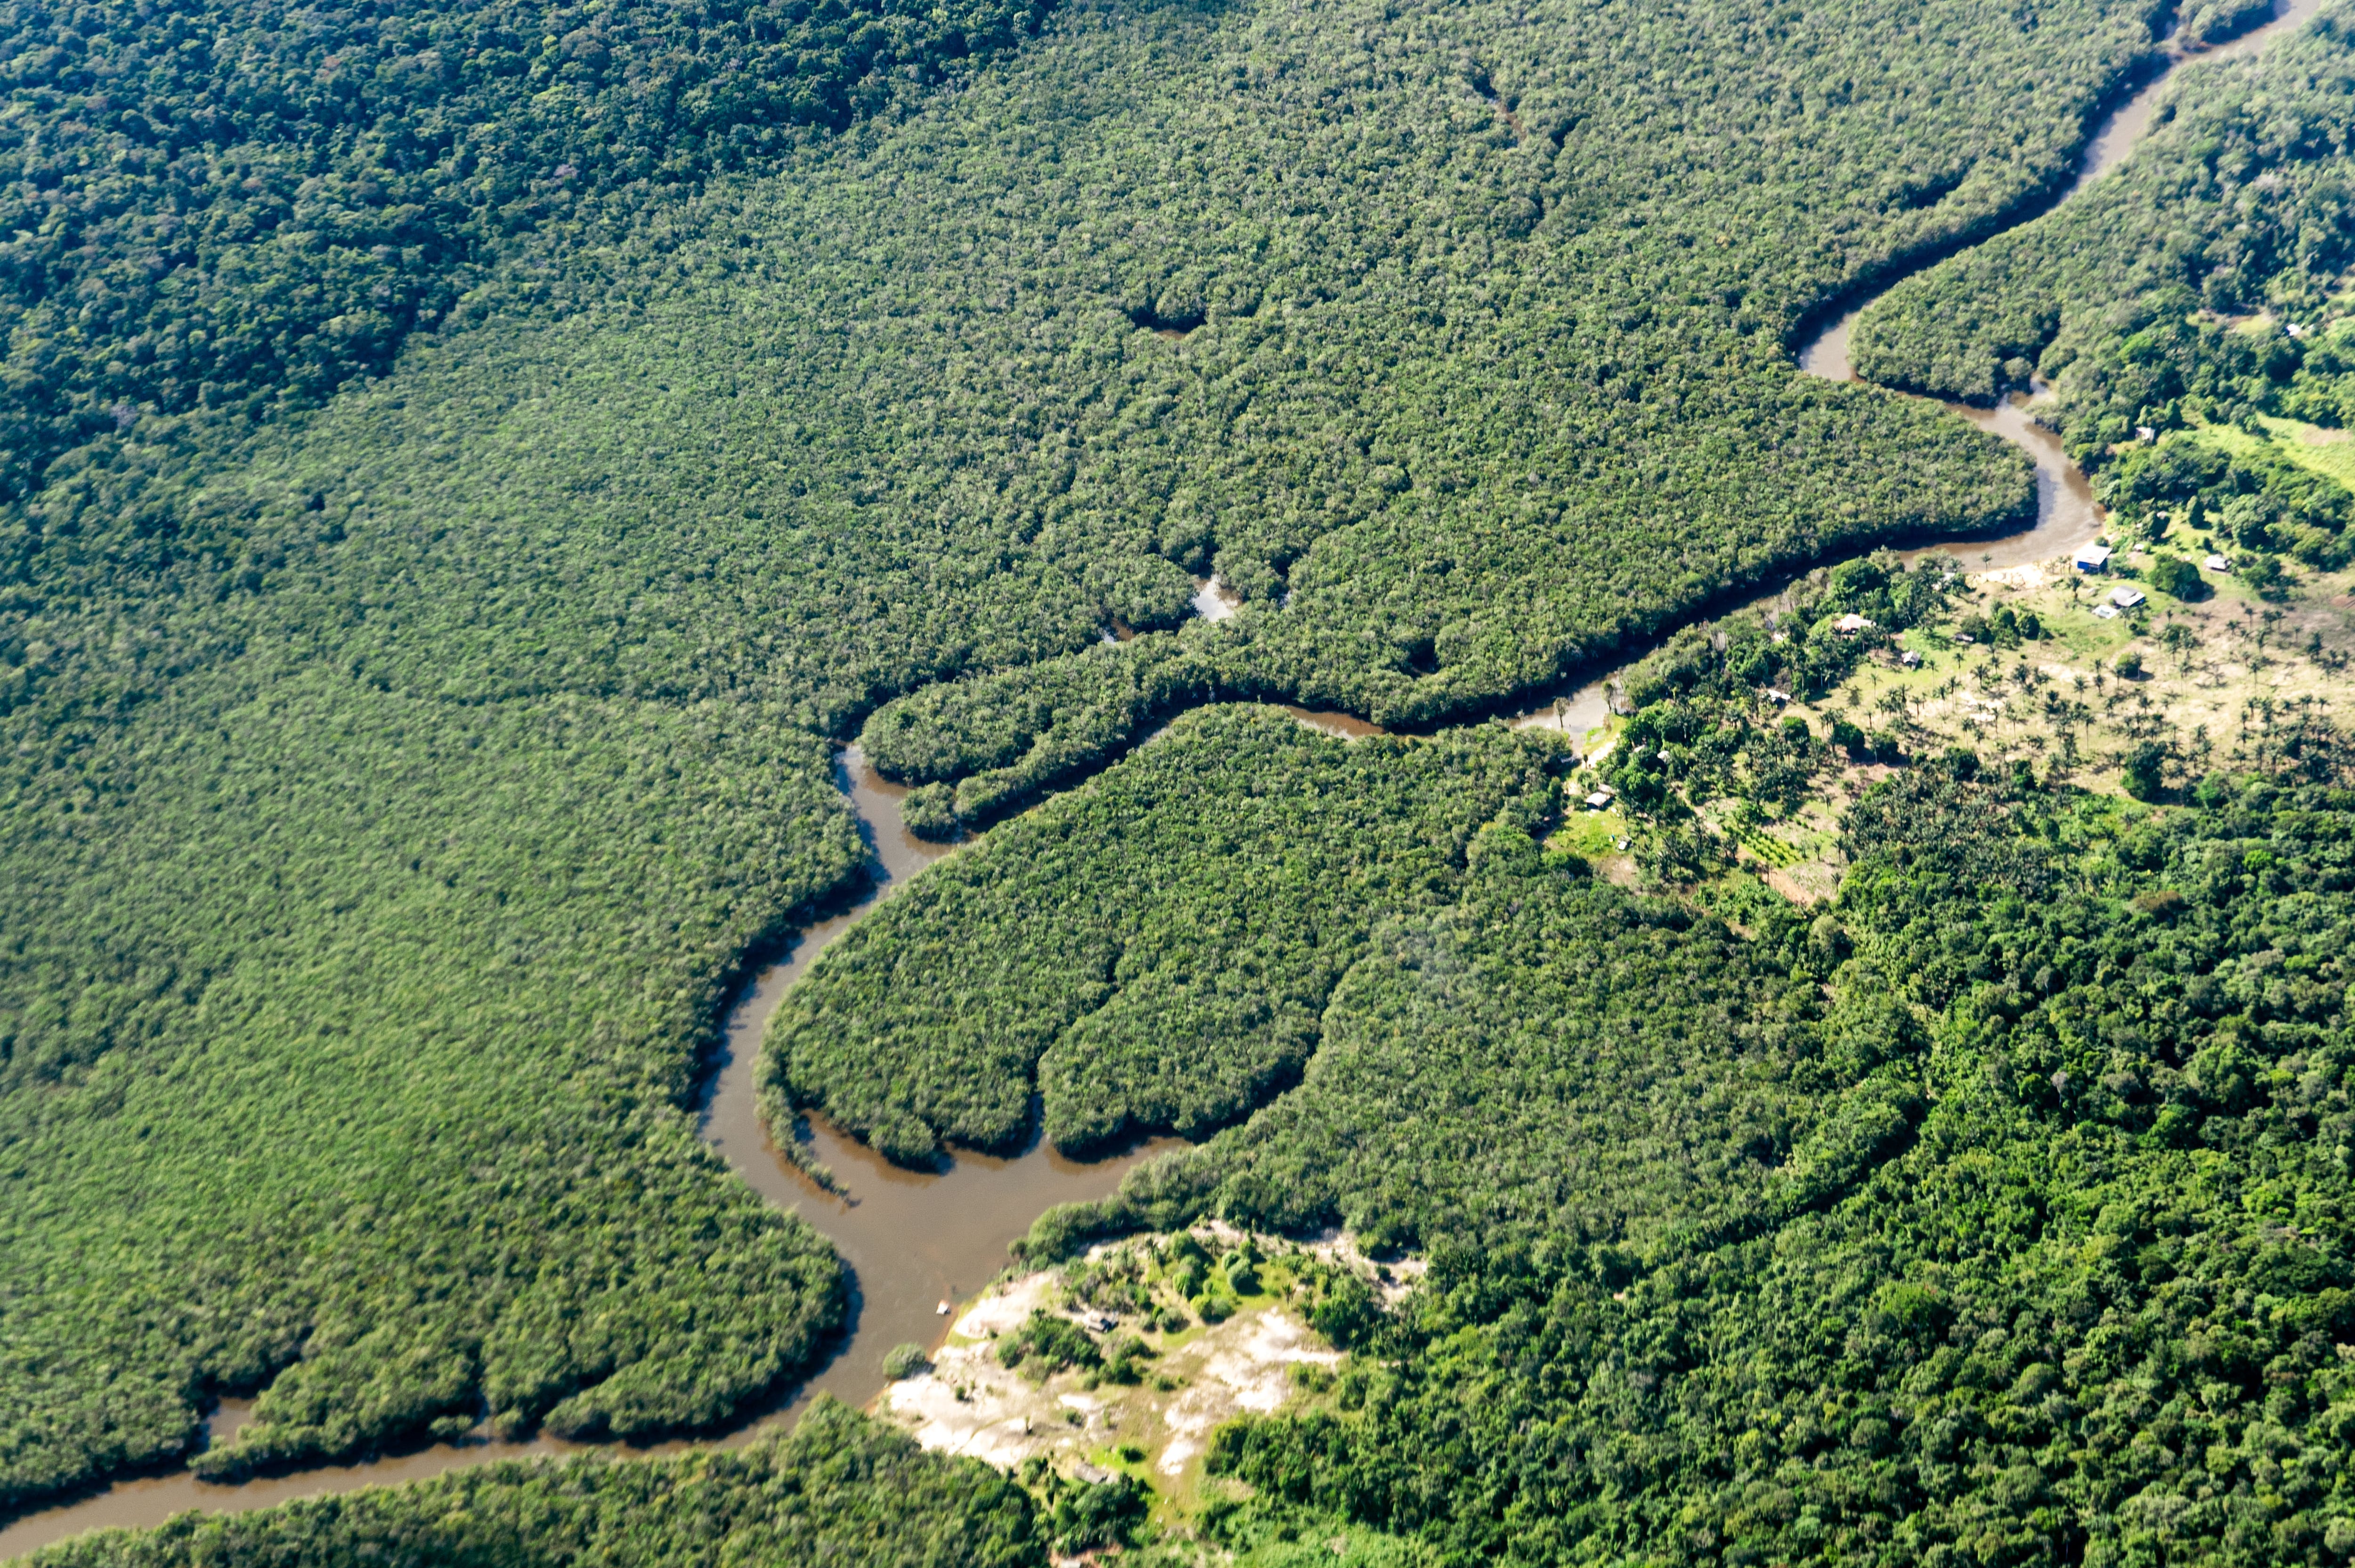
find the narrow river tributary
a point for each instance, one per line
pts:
(916, 1239)
(2067, 516)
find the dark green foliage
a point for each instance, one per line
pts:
(241, 204)
(1621, 435)
(1523, 1060)
(2025, 1241)
(1087, 1516)
(266, 1102)
(842, 1490)
(1149, 953)
(2212, 21)
(1113, 1284)
(1794, 645)
(1124, 1363)
(2005, 628)
(1046, 1345)
(2128, 298)
(2064, 1291)
(396, 789)
(1100, 1514)
(2257, 498)
(1702, 727)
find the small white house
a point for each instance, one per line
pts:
(1850, 624)
(1908, 658)
(2105, 612)
(1598, 800)
(1777, 696)
(2126, 598)
(2094, 558)
(2216, 563)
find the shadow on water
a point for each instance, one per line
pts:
(2067, 516)
(913, 1239)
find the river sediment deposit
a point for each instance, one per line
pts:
(915, 1239)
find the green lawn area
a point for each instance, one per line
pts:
(2329, 452)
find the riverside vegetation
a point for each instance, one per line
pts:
(419, 694)
(394, 788)
(1997, 1214)
(839, 1489)
(2191, 312)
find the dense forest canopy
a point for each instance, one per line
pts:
(420, 673)
(1998, 1212)
(241, 206)
(839, 1490)
(1139, 989)
(2055, 1273)
(2202, 284)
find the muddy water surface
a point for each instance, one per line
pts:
(2066, 514)
(913, 1239)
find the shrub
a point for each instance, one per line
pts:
(1104, 1514)
(2172, 575)
(1046, 1345)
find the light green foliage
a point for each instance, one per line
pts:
(1150, 953)
(2131, 298)
(1045, 1345)
(1519, 400)
(1995, 1210)
(1085, 1515)
(2056, 1277)
(394, 787)
(1703, 728)
(264, 1103)
(841, 1489)
(239, 205)
(1485, 1072)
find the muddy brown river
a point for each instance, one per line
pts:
(915, 1239)
(2066, 514)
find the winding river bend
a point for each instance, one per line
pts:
(915, 1239)
(2066, 512)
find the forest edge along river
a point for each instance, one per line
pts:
(915, 1239)
(2067, 516)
